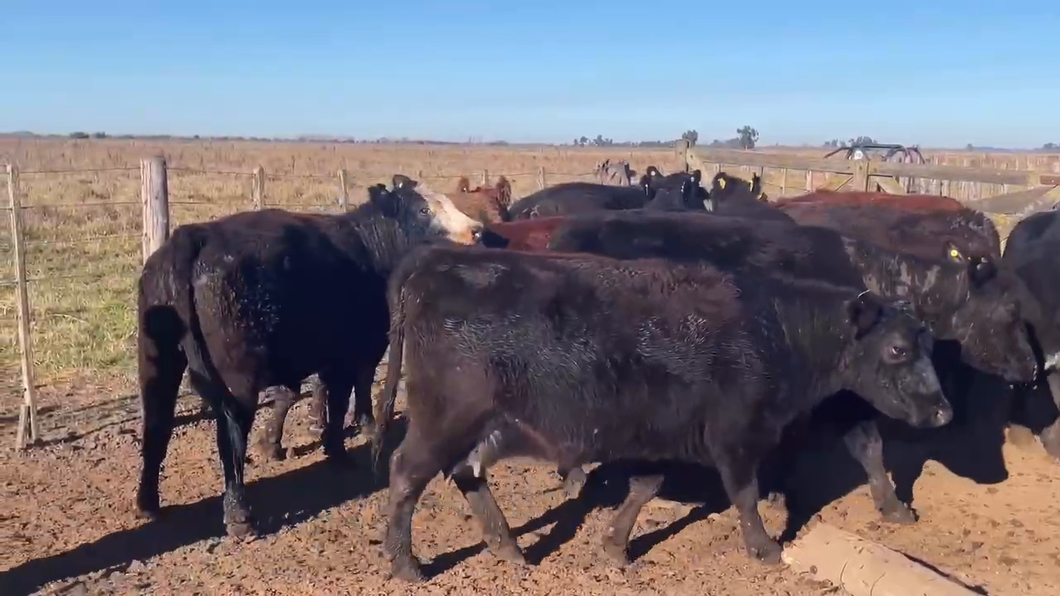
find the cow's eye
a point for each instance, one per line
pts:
(898, 351)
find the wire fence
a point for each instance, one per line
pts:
(69, 257)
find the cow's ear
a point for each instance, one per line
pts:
(981, 270)
(719, 180)
(463, 184)
(688, 189)
(403, 181)
(864, 312)
(697, 176)
(953, 253)
(379, 196)
(652, 171)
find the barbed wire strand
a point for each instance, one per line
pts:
(82, 170)
(82, 240)
(77, 205)
(46, 278)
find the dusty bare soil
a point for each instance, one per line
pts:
(67, 527)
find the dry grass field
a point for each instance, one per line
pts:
(64, 507)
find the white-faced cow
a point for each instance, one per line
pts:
(267, 298)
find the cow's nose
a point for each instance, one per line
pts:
(943, 415)
(476, 234)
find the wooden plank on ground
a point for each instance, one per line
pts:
(865, 568)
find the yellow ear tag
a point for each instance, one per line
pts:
(721, 183)
(751, 183)
(954, 253)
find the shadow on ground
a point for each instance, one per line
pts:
(275, 502)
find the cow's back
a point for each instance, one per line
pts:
(914, 203)
(577, 197)
(286, 290)
(732, 244)
(923, 234)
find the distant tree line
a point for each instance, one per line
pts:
(746, 138)
(862, 140)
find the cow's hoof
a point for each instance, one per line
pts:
(408, 571)
(147, 514)
(767, 554)
(898, 514)
(574, 483)
(615, 553)
(147, 507)
(241, 529)
(510, 552)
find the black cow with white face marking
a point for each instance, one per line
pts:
(264, 299)
(600, 359)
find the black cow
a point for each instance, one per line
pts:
(581, 197)
(599, 360)
(267, 298)
(729, 195)
(1033, 251)
(973, 304)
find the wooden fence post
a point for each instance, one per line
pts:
(27, 417)
(809, 181)
(861, 175)
(344, 195)
(257, 188)
(154, 199)
(541, 178)
(485, 178)
(682, 147)
(784, 182)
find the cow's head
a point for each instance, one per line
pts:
(725, 187)
(888, 363)
(681, 192)
(989, 323)
(421, 212)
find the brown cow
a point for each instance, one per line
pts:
(521, 235)
(485, 203)
(918, 203)
(970, 231)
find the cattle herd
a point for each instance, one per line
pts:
(664, 321)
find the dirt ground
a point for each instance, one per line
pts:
(67, 527)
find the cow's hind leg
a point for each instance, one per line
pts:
(739, 476)
(270, 444)
(235, 416)
(161, 368)
(1051, 434)
(362, 398)
(865, 445)
(642, 488)
(318, 408)
(338, 387)
(495, 529)
(422, 454)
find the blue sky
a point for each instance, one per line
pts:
(934, 72)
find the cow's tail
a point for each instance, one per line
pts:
(383, 409)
